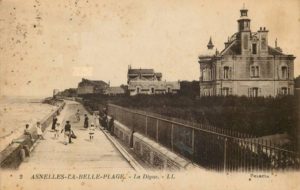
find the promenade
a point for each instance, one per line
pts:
(83, 154)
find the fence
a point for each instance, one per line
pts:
(204, 124)
(208, 148)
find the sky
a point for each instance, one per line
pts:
(52, 44)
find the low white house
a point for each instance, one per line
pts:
(146, 81)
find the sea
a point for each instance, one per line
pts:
(16, 112)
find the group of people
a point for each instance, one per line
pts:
(66, 130)
(108, 124)
(39, 132)
(100, 120)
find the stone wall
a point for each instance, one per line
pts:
(151, 152)
(123, 133)
(158, 156)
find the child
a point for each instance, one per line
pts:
(57, 130)
(39, 131)
(92, 131)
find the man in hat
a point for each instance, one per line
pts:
(67, 132)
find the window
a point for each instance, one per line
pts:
(225, 91)
(152, 90)
(137, 90)
(284, 72)
(254, 92)
(245, 41)
(207, 74)
(204, 74)
(263, 43)
(254, 71)
(284, 91)
(226, 72)
(254, 49)
(257, 71)
(169, 90)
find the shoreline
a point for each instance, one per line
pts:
(10, 155)
(18, 112)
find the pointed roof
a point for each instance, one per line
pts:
(210, 45)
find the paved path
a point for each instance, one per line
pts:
(82, 154)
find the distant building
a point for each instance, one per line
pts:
(92, 87)
(70, 92)
(115, 90)
(246, 66)
(55, 92)
(146, 81)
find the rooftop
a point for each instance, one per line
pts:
(92, 82)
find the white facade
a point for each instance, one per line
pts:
(153, 87)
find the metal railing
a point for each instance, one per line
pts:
(208, 148)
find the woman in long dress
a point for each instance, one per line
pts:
(86, 121)
(96, 119)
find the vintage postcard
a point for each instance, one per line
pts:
(150, 94)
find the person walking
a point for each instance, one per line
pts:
(105, 122)
(92, 131)
(54, 121)
(78, 115)
(86, 121)
(96, 119)
(39, 131)
(67, 132)
(57, 130)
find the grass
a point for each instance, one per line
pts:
(256, 116)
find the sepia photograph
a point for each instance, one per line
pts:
(150, 94)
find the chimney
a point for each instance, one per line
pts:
(277, 47)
